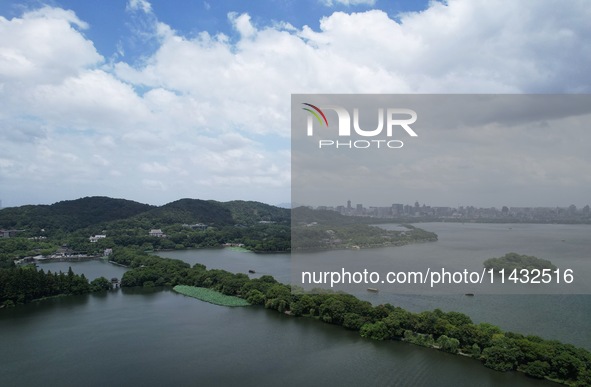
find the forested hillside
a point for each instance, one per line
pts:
(185, 223)
(73, 215)
(189, 211)
(70, 215)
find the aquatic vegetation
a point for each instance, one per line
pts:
(209, 295)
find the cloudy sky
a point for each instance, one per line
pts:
(155, 101)
(483, 150)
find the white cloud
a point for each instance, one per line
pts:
(30, 52)
(330, 3)
(100, 160)
(92, 100)
(139, 5)
(153, 167)
(242, 24)
(154, 184)
(466, 46)
(218, 109)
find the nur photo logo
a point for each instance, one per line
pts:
(390, 119)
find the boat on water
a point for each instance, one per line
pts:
(469, 294)
(373, 290)
(251, 271)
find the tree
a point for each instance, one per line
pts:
(502, 355)
(333, 311)
(375, 331)
(398, 321)
(537, 369)
(354, 321)
(255, 297)
(448, 344)
(566, 366)
(100, 284)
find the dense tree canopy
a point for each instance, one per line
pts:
(512, 261)
(24, 284)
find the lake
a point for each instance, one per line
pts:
(562, 317)
(156, 337)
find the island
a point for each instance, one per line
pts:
(514, 261)
(314, 229)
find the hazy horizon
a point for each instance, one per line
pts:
(289, 205)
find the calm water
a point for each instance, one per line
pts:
(153, 338)
(158, 338)
(560, 317)
(465, 247)
(91, 269)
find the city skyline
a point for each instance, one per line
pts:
(434, 205)
(570, 214)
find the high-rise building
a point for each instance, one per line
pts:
(397, 209)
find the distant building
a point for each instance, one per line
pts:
(196, 226)
(95, 238)
(108, 252)
(233, 245)
(8, 233)
(157, 233)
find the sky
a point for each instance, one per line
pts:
(157, 100)
(513, 150)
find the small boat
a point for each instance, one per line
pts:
(469, 294)
(251, 271)
(373, 290)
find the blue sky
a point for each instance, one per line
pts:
(112, 26)
(159, 100)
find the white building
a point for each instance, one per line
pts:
(95, 238)
(157, 233)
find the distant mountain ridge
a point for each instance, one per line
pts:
(189, 211)
(71, 215)
(81, 213)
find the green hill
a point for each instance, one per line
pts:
(98, 212)
(189, 211)
(248, 212)
(70, 215)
